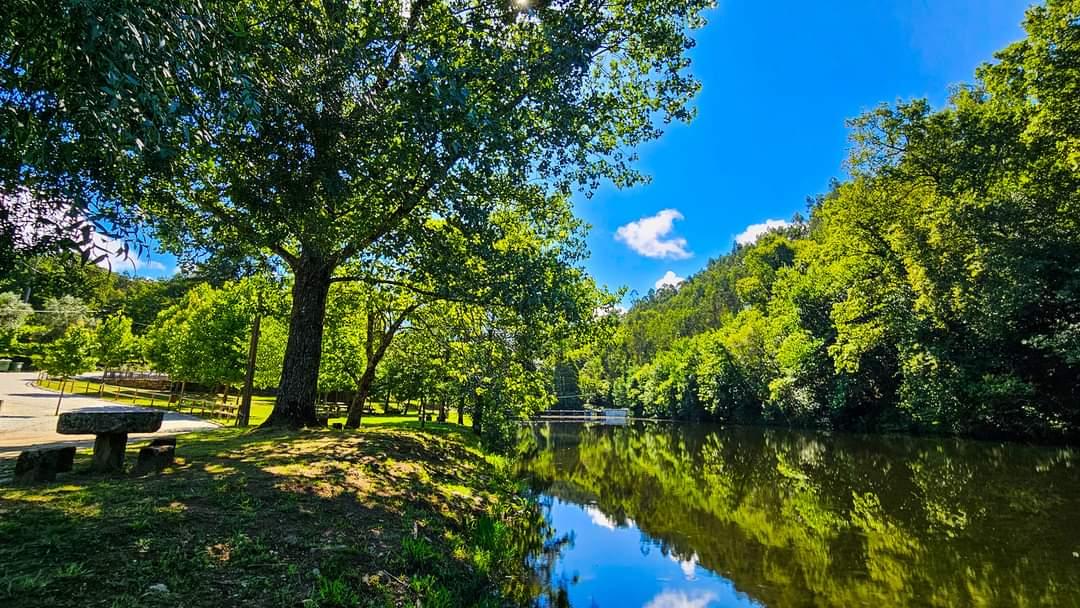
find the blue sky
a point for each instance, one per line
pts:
(778, 81)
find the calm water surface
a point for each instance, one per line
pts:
(681, 516)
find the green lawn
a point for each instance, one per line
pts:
(384, 516)
(260, 405)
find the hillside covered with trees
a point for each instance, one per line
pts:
(935, 289)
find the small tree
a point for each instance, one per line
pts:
(63, 312)
(13, 314)
(115, 344)
(70, 355)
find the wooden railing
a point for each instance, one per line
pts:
(331, 409)
(590, 414)
(191, 404)
(202, 406)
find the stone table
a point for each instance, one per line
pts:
(111, 430)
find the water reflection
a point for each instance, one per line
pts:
(664, 515)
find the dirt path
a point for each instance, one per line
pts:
(27, 416)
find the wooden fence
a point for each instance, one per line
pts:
(191, 404)
(198, 405)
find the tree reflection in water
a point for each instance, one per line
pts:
(802, 518)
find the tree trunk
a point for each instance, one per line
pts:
(243, 415)
(461, 412)
(295, 404)
(363, 389)
(356, 400)
(101, 388)
(477, 416)
(63, 381)
(374, 354)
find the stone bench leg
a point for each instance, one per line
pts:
(109, 452)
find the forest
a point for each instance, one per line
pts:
(935, 289)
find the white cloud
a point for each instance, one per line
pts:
(670, 279)
(116, 260)
(753, 231)
(597, 516)
(646, 236)
(603, 311)
(680, 599)
(36, 220)
(688, 566)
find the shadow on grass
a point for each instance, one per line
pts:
(265, 518)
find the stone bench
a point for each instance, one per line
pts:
(154, 458)
(43, 464)
(110, 430)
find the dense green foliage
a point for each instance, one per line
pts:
(13, 313)
(71, 354)
(397, 134)
(411, 343)
(937, 289)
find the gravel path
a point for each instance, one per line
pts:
(27, 420)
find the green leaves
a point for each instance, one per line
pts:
(13, 313)
(72, 353)
(204, 337)
(115, 343)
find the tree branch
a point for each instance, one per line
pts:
(434, 295)
(290, 258)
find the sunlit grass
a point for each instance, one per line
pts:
(266, 518)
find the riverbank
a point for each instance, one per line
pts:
(385, 516)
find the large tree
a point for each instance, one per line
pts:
(357, 124)
(332, 132)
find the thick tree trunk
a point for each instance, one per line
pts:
(295, 405)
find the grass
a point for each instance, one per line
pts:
(384, 516)
(261, 406)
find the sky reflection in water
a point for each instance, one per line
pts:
(615, 564)
(680, 516)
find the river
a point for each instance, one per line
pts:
(664, 515)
